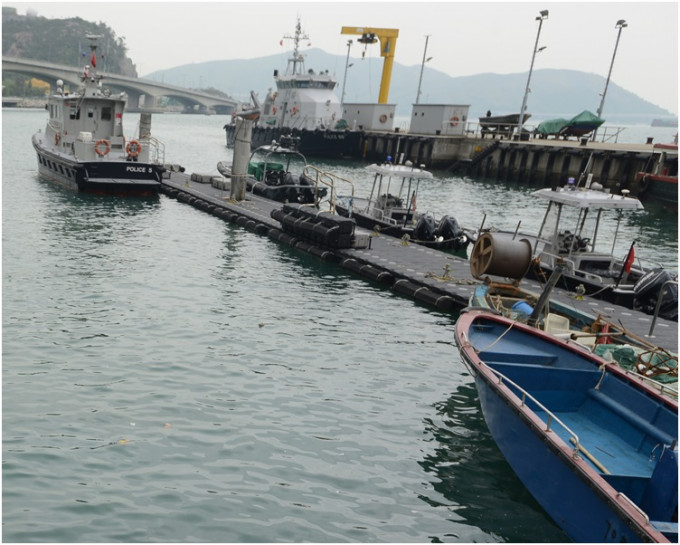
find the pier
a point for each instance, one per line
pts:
(434, 278)
(543, 162)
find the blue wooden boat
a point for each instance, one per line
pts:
(596, 446)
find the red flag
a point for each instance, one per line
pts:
(630, 259)
(93, 60)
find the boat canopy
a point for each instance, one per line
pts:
(589, 198)
(402, 171)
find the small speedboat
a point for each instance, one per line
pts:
(390, 209)
(570, 232)
(84, 147)
(280, 173)
(595, 445)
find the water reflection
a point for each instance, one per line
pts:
(473, 478)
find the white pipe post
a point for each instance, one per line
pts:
(543, 15)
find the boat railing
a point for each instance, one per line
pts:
(573, 269)
(657, 308)
(156, 150)
(330, 180)
(550, 415)
(634, 505)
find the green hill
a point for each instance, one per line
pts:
(60, 41)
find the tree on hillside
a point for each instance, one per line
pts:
(59, 41)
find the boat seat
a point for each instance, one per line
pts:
(645, 427)
(554, 323)
(559, 326)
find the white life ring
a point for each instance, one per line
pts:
(454, 121)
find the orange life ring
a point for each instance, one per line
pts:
(383, 118)
(454, 121)
(294, 110)
(274, 110)
(101, 151)
(133, 148)
(57, 138)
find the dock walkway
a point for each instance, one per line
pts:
(435, 278)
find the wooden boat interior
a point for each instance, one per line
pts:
(624, 431)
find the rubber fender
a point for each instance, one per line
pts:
(261, 229)
(406, 287)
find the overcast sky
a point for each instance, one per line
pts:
(464, 37)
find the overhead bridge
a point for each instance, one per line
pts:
(144, 95)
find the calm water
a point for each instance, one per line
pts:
(169, 377)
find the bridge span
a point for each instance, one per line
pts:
(143, 94)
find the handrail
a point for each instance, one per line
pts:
(634, 505)
(551, 416)
(328, 179)
(658, 305)
(474, 128)
(156, 150)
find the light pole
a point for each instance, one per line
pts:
(422, 67)
(543, 15)
(620, 24)
(344, 80)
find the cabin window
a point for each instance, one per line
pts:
(90, 113)
(74, 113)
(106, 114)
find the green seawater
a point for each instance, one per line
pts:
(169, 377)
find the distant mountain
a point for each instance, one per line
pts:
(554, 93)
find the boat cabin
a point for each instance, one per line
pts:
(78, 122)
(571, 226)
(400, 207)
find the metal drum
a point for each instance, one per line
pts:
(501, 255)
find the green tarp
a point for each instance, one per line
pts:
(585, 119)
(552, 126)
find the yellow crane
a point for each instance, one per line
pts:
(388, 43)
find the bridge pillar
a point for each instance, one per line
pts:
(148, 102)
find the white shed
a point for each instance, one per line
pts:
(377, 117)
(444, 119)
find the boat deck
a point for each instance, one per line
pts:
(432, 277)
(604, 445)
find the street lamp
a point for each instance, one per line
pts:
(543, 15)
(620, 24)
(422, 67)
(344, 80)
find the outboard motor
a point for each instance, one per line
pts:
(450, 230)
(425, 228)
(274, 177)
(647, 291)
